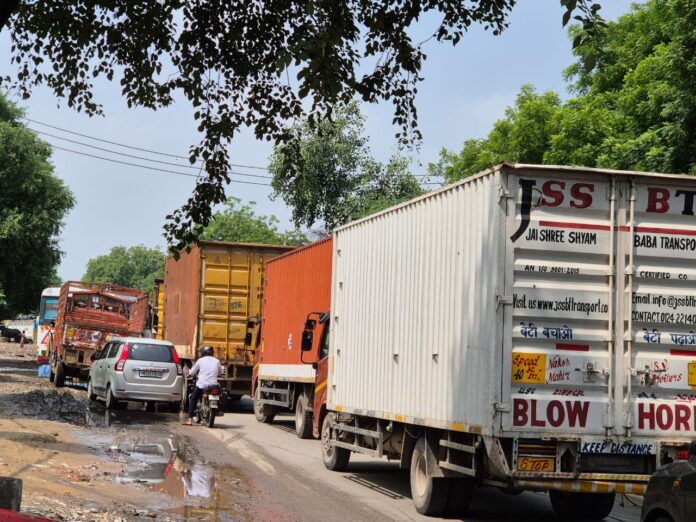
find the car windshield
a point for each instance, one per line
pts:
(150, 352)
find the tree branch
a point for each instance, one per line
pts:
(7, 7)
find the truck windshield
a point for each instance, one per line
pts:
(150, 352)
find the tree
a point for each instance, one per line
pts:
(239, 222)
(326, 173)
(233, 60)
(33, 204)
(634, 109)
(134, 267)
(523, 135)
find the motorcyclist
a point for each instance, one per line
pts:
(207, 368)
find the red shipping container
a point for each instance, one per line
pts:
(296, 284)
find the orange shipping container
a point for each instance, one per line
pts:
(212, 296)
(297, 284)
(297, 297)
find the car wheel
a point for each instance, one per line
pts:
(429, 494)
(303, 418)
(110, 401)
(90, 391)
(335, 459)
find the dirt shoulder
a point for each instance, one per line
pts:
(81, 462)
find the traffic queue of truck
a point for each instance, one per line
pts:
(528, 328)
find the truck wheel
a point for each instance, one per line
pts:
(460, 495)
(581, 506)
(59, 377)
(303, 418)
(429, 494)
(335, 459)
(263, 412)
(110, 401)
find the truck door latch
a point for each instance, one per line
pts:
(590, 371)
(646, 376)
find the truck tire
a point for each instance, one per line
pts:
(335, 459)
(303, 418)
(429, 494)
(263, 412)
(460, 495)
(581, 506)
(59, 377)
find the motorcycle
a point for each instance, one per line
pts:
(208, 406)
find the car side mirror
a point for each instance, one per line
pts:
(310, 324)
(307, 338)
(247, 339)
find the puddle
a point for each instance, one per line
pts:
(133, 415)
(190, 490)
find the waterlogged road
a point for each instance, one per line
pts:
(289, 481)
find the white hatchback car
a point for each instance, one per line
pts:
(136, 369)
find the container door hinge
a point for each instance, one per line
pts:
(503, 192)
(502, 406)
(503, 300)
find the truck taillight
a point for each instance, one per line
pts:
(122, 360)
(683, 455)
(177, 361)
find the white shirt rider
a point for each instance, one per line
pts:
(207, 368)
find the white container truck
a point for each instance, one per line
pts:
(530, 328)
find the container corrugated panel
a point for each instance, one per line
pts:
(212, 293)
(415, 333)
(296, 284)
(181, 285)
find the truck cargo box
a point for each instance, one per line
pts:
(212, 296)
(526, 301)
(297, 283)
(89, 314)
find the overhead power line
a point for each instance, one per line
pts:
(150, 151)
(188, 174)
(111, 151)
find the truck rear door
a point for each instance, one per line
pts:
(559, 286)
(659, 276)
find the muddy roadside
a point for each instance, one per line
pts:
(80, 462)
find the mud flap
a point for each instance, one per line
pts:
(432, 448)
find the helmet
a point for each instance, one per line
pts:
(207, 350)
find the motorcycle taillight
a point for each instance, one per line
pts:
(215, 391)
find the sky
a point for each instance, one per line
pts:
(466, 88)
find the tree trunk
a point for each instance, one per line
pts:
(7, 7)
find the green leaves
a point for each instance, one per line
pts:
(33, 204)
(239, 222)
(261, 65)
(635, 107)
(135, 267)
(326, 174)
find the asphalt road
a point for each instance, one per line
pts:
(289, 480)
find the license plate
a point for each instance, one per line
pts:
(150, 373)
(537, 464)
